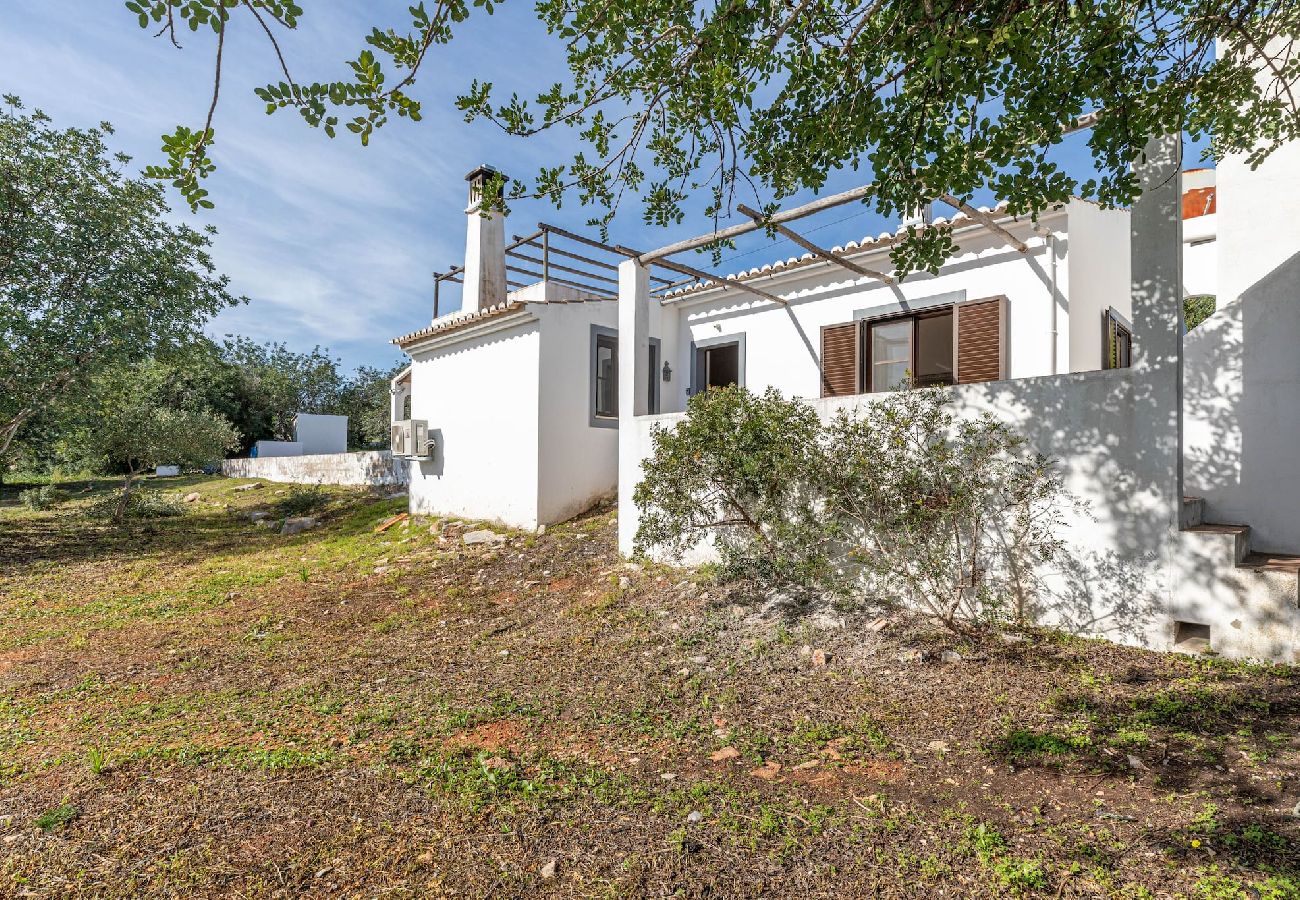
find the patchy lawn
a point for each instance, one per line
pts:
(200, 706)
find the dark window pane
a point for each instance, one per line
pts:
(606, 377)
(722, 365)
(1123, 347)
(652, 400)
(934, 350)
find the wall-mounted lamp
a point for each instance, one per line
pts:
(668, 372)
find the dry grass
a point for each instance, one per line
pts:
(201, 707)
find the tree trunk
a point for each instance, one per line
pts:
(125, 499)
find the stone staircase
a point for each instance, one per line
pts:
(1231, 600)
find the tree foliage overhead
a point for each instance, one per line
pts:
(948, 97)
(91, 273)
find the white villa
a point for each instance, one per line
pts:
(540, 396)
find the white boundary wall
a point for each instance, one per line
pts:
(375, 467)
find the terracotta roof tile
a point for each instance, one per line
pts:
(960, 220)
(456, 322)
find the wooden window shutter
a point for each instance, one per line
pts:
(840, 360)
(981, 340)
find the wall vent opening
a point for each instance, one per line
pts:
(1191, 637)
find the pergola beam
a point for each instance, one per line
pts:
(815, 249)
(987, 220)
(719, 280)
(779, 218)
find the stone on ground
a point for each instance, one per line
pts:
(296, 524)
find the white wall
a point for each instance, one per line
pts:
(578, 462)
(783, 344)
(1098, 265)
(375, 467)
(265, 449)
(1242, 368)
(479, 396)
(1200, 255)
(1125, 574)
(320, 433)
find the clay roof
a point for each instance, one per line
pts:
(456, 323)
(884, 239)
(1199, 202)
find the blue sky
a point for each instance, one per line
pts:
(333, 243)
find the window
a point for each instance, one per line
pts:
(944, 343)
(910, 350)
(604, 375)
(717, 364)
(653, 404)
(1116, 341)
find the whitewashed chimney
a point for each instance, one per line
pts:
(485, 246)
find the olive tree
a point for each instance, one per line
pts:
(92, 274)
(134, 432)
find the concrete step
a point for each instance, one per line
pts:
(1272, 562)
(1193, 512)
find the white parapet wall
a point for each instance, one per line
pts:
(374, 467)
(1127, 573)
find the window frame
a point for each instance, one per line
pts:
(1112, 322)
(714, 343)
(867, 364)
(600, 335)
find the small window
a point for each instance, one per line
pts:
(910, 350)
(605, 375)
(1117, 341)
(652, 403)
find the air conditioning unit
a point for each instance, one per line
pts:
(410, 438)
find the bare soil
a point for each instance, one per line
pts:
(201, 707)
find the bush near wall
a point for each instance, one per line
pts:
(900, 503)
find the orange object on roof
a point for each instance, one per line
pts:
(1198, 202)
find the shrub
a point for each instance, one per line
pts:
(744, 471)
(1197, 308)
(136, 505)
(302, 500)
(42, 498)
(950, 515)
(905, 501)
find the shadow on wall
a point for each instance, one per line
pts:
(1241, 385)
(1112, 575)
(1128, 571)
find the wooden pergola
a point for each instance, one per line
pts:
(550, 249)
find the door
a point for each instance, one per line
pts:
(716, 365)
